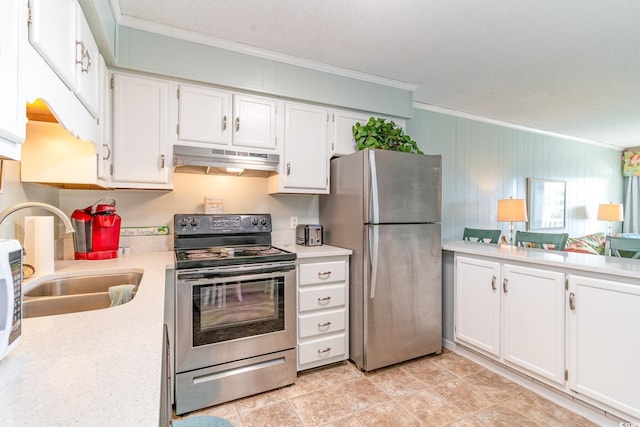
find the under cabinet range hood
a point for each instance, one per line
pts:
(203, 160)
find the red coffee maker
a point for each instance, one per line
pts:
(97, 230)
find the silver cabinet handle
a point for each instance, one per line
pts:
(322, 325)
(288, 168)
(326, 350)
(224, 123)
(323, 299)
(237, 124)
(493, 283)
(572, 301)
(108, 152)
(84, 55)
(505, 282)
(324, 274)
(162, 161)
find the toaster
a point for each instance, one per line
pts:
(309, 234)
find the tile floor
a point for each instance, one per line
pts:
(442, 390)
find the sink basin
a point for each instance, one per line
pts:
(74, 294)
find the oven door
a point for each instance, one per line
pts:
(230, 313)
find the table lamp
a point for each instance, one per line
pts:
(512, 210)
(610, 212)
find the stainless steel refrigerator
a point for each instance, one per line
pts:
(386, 207)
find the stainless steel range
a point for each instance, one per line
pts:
(235, 310)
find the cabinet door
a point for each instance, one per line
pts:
(52, 32)
(204, 115)
(477, 304)
(343, 142)
(13, 117)
(254, 123)
(533, 320)
(140, 132)
(87, 68)
(104, 145)
(603, 344)
(305, 164)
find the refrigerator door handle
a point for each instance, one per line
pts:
(374, 216)
(373, 255)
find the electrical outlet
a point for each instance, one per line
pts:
(294, 222)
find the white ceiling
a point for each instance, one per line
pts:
(570, 67)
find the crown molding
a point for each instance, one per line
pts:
(165, 30)
(450, 112)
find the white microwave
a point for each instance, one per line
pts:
(10, 295)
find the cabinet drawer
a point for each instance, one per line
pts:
(322, 272)
(320, 349)
(321, 297)
(321, 323)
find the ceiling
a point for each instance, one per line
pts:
(570, 67)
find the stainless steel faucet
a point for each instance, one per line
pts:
(65, 219)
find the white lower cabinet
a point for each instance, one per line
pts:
(533, 326)
(477, 304)
(604, 341)
(512, 313)
(323, 310)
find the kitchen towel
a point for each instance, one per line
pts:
(39, 243)
(121, 294)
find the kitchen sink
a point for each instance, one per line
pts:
(75, 294)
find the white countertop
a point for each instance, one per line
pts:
(97, 368)
(316, 251)
(622, 267)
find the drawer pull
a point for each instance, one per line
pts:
(324, 274)
(322, 325)
(493, 283)
(326, 350)
(324, 299)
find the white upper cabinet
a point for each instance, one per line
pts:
(204, 115)
(13, 115)
(304, 167)
(254, 122)
(88, 60)
(140, 150)
(52, 31)
(59, 32)
(341, 140)
(103, 146)
(216, 117)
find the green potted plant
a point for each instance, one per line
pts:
(385, 135)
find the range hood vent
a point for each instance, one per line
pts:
(224, 162)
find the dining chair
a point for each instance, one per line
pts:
(625, 244)
(481, 235)
(551, 241)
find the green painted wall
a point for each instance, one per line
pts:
(483, 163)
(168, 56)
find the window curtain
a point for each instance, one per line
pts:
(632, 206)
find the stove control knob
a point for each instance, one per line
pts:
(263, 221)
(254, 220)
(193, 222)
(183, 222)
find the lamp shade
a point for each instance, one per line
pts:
(610, 212)
(512, 210)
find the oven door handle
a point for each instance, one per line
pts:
(233, 271)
